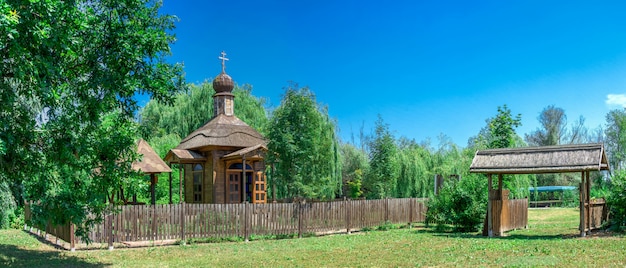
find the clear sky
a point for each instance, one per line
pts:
(427, 67)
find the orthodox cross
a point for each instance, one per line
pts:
(224, 59)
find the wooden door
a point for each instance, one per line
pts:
(234, 187)
(259, 192)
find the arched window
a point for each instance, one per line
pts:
(197, 183)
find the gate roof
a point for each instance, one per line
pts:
(542, 159)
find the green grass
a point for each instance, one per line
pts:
(551, 240)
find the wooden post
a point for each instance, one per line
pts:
(72, 237)
(152, 188)
(244, 180)
(386, 209)
(347, 205)
(182, 223)
(411, 208)
(300, 206)
(154, 222)
(588, 201)
(170, 187)
(489, 212)
(180, 183)
(109, 223)
(273, 183)
(581, 196)
(246, 219)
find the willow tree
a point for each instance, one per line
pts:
(415, 170)
(68, 75)
(303, 148)
(194, 107)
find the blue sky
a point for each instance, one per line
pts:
(427, 67)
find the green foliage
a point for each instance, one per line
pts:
(460, 203)
(502, 128)
(615, 132)
(617, 201)
(553, 122)
(382, 176)
(66, 67)
(194, 108)
(416, 170)
(303, 148)
(7, 203)
(354, 166)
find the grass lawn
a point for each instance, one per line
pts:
(551, 240)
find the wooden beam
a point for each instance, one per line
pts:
(273, 183)
(171, 186)
(152, 188)
(581, 197)
(244, 179)
(489, 213)
(588, 201)
(180, 183)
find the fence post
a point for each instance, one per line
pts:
(386, 209)
(347, 205)
(411, 208)
(182, 223)
(109, 223)
(299, 219)
(72, 237)
(246, 224)
(154, 224)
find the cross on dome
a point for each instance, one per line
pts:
(224, 59)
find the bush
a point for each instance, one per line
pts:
(7, 206)
(617, 201)
(462, 204)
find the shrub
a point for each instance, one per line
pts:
(7, 206)
(617, 201)
(462, 204)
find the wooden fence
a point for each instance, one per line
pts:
(187, 221)
(599, 214)
(507, 214)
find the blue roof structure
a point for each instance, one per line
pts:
(542, 189)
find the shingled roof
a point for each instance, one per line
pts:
(222, 131)
(150, 163)
(543, 159)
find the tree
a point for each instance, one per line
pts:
(415, 170)
(502, 128)
(69, 72)
(554, 130)
(617, 200)
(354, 167)
(616, 138)
(194, 108)
(303, 148)
(381, 179)
(554, 127)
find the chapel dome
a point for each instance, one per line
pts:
(223, 83)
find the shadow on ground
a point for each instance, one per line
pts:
(13, 256)
(518, 236)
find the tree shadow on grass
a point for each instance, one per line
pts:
(517, 236)
(13, 256)
(507, 236)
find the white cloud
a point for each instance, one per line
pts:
(616, 99)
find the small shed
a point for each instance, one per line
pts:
(581, 158)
